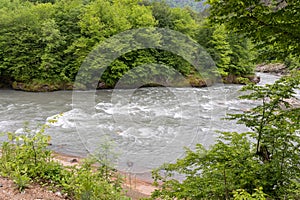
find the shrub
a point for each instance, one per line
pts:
(88, 183)
(26, 158)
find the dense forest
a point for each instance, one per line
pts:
(44, 43)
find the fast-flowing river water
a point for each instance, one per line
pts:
(146, 127)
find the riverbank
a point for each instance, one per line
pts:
(134, 188)
(46, 86)
(8, 191)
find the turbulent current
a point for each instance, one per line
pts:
(145, 127)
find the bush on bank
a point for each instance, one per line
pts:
(25, 158)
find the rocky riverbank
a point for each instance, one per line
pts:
(274, 68)
(190, 81)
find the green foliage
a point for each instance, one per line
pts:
(275, 123)
(141, 65)
(239, 163)
(222, 49)
(21, 180)
(47, 41)
(25, 158)
(177, 19)
(41, 1)
(241, 194)
(268, 23)
(213, 173)
(96, 178)
(92, 185)
(25, 153)
(23, 35)
(232, 53)
(292, 62)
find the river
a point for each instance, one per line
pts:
(146, 127)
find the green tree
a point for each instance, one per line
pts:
(243, 55)
(44, 43)
(275, 123)
(177, 19)
(210, 174)
(232, 53)
(267, 156)
(266, 22)
(102, 19)
(67, 17)
(51, 60)
(243, 195)
(222, 50)
(20, 41)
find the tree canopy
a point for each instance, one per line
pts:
(44, 43)
(272, 23)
